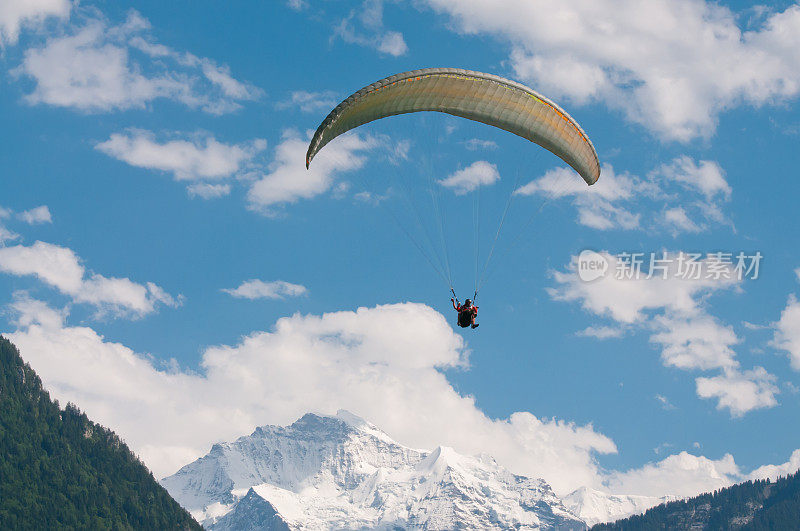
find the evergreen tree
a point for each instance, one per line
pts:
(60, 470)
(753, 505)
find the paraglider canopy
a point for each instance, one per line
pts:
(486, 98)
(476, 96)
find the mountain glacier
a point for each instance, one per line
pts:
(341, 472)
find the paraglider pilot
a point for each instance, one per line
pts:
(466, 313)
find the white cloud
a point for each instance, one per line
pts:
(310, 101)
(683, 189)
(101, 68)
(208, 191)
(200, 158)
(682, 475)
(696, 342)
(204, 162)
(474, 144)
(258, 289)
(364, 26)
(598, 206)
(297, 5)
(665, 403)
(631, 300)
(288, 179)
(36, 216)
(670, 65)
(564, 182)
(358, 360)
(392, 43)
(60, 268)
(787, 331)
(705, 176)
(601, 332)
(477, 174)
(355, 360)
(679, 220)
(673, 311)
(773, 472)
(740, 392)
(7, 235)
(14, 14)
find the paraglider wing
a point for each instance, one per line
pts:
(485, 98)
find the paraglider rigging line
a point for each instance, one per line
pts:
(421, 248)
(440, 217)
(563, 185)
(510, 200)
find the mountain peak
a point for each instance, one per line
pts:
(343, 421)
(342, 471)
(352, 419)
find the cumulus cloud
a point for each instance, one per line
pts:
(474, 144)
(356, 360)
(310, 101)
(364, 26)
(690, 195)
(668, 301)
(206, 163)
(258, 289)
(602, 332)
(288, 180)
(773, 472)
(60, 268)
(7, 235)
(740, 391)
(201, 158)
(607, 51)
(36, 216)
(599, 207)
(679, 221)
(684, 473)
(477, 174)
(14, 14)
(787, 331)
(100, 68)
(208, 191)
(695, 342)
(705, 176)
(629, 298)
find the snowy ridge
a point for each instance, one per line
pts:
(596, 507)
(344, 473)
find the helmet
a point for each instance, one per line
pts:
(468, 302)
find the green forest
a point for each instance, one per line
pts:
(753, 505)
(58, 469)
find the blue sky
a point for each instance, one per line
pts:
(167, 146)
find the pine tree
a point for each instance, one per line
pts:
(58, 469)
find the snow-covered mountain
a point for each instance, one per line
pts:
(596, 507)
(344, 473)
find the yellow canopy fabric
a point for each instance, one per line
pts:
(485, 98)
